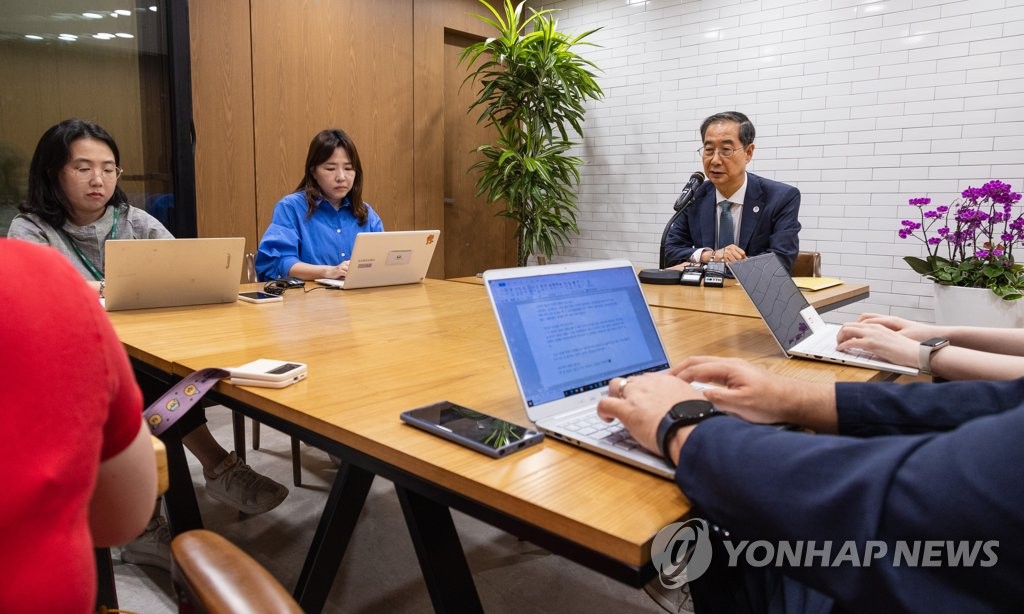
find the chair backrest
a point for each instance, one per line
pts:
(807, 264)
(211, 574)
(249, 268)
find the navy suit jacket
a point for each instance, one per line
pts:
(938, 462)
(769, 222)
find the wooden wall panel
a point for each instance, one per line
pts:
(433, 17)
(221, 53)
(342, 65)
(374, 69)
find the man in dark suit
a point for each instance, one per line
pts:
(920, 466)
(765, 212)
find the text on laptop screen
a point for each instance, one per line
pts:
(568, 333)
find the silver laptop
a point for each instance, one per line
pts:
(794, 323)
(388, 259)
(569, 329)
(144, 273)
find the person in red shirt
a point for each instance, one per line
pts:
(78, 466)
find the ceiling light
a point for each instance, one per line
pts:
(124, 12)
(34, 37)
(68, 37)
(124, 35)
(92, 15)
(153, 8)
(103, 36)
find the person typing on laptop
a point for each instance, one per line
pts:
(736, 214)
(973, 352)
(313, 229)
(74, 205)
(892, 463)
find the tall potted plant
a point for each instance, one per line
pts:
(532, 90)
(970, 246)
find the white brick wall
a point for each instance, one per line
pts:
(859, 104)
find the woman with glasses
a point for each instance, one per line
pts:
(313, 229)
(735, 214)
(75, 205)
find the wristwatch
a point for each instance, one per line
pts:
(682, 414)
(929, 347)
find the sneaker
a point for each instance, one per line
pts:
(237, 485)
(674, 600)
(152, 548)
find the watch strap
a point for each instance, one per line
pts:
(682, 414)
(925, 351)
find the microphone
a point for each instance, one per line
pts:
(686, 196)
(662, 275)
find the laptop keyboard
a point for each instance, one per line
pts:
(594, 427)
(825, 345)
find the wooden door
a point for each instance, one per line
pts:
(474, 238)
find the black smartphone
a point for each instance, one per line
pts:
(487, 434)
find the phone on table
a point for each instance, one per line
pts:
(259, 297)
(491, 436)
(268, 373)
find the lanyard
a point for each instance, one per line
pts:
(82, 257)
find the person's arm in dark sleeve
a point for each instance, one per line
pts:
(785, 239)
(887, 409)
(757, 483)
(679, 242)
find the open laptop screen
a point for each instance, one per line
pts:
(568, 333)
(776, 297)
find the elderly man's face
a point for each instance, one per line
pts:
(728, 159)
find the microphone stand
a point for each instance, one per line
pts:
(664, 236)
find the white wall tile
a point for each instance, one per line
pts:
(861, 109)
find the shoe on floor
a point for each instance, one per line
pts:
(674, 600)
(237, 485)
(152, 548)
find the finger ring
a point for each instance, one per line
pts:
(622, 387)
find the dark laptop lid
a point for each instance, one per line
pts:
(774, 293)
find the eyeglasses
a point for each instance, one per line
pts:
(85, 173)
(725, 152)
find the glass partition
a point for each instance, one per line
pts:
(108, 61)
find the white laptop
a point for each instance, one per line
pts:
(388, 259)
(569, 329)
(145, 273)
(795, 324)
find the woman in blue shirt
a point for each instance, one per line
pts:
(313, 229)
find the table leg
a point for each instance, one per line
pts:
(182, 507)
(439, 551)
(106, 594)
(337, 523)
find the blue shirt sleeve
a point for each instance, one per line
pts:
(326, 238)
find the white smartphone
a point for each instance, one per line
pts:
(259, 297)
(268, 373)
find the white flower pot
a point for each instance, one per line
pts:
(955, 306)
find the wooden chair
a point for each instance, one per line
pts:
(211, 574)
(238, 423)
(807, 264)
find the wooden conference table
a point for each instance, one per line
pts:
(731, 299)
(373, 353)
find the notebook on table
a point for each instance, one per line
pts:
(145, 273)
(388, 259)
(569, 329)
(795, 324)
